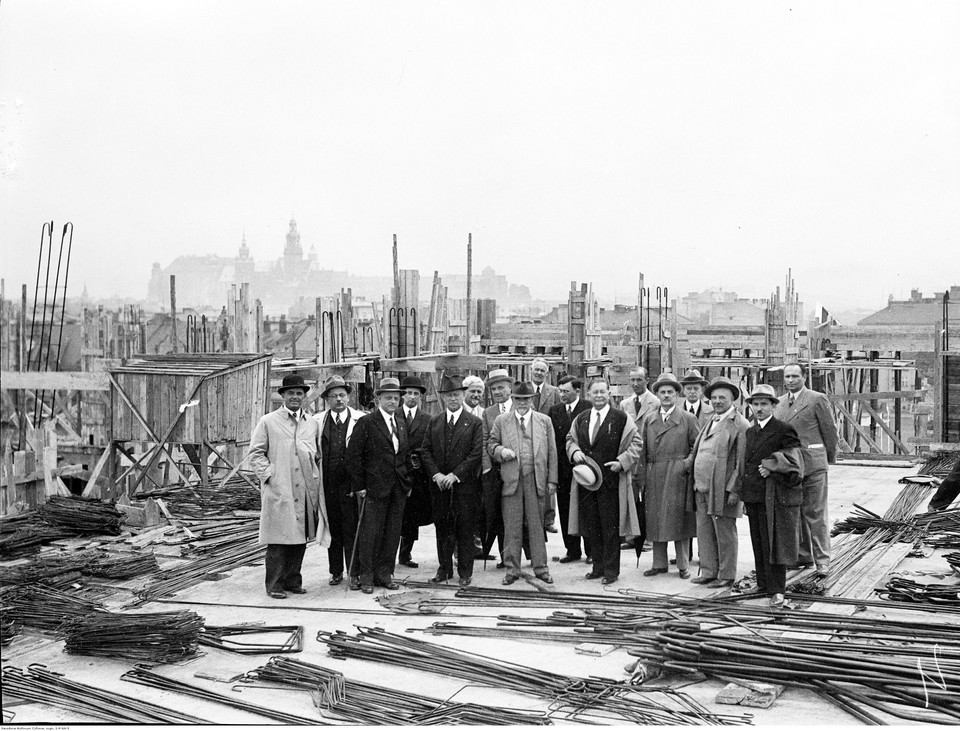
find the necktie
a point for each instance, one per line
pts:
(523, 429)
(503, 409)
(790, 399)
(596, 427)
(569, 410)
(536, 399)
(336, 418)
(393, 435)
(451, 422)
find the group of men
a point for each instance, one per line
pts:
(675, 461)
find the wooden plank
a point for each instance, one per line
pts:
(51, 380)
(856, 426)
(886, 429)
(875, 396)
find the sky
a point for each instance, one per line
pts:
(703, 144)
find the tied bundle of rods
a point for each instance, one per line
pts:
(36, 684)
(201, 502)
(221, 545)
(899, 589)
(153, 638)
(80, 516)
(366, 704)
(854, 557)
(576, 698)
(942, 528)
(60, 570)
(45, 608)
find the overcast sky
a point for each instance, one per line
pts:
(705, 144)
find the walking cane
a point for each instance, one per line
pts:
(356, 537)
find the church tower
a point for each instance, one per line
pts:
(293, 252)
(244, 266)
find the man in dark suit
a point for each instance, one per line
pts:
(416, 512)
(771, 494)
(377, 460)
(810, 414)
(561, 416)
(451, 453)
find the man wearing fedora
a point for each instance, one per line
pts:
(491, 526)
(810, 413)
(770, 488)
(473, 395)
(416, 512)
(693, 401)
(377, 459)
(603, 510)
(522, 443)
(668, 435)
(717, 463)
(452, 453)
(284, 453)
(336, 424)
(562, 416)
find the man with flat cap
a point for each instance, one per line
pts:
(668, 436)
(284, 451)
(452, 453)
(522, 443)
(377, 460)
(562, 416)
(336, 424)
(416, 512)
(608, 437)
(772, 494)
(717, 467)
(693, 396)
(500, 384)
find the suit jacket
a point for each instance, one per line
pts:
(648, 403)
(561, 427)
(549, 397)
(812, 417)
(355, 415)
(775, 437)
(706, 411)
(466, 448)
(490, 415)
(718, 457)
(416, 431)
(373, 464)
(506, 434)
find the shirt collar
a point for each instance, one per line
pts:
(526, 416)
(386, 417)
(573, 406)
(298, 414)
(412, 412)
(602, 413)
(667, 413)
(763, 422)
(506, 406)
(454, 414)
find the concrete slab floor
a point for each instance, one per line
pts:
(241, 598)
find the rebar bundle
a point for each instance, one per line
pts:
(152, 638)
(80, 517)
(939, 465)
(899, 589)
(121, 567)
(45, 608)
(576, 698)
(222, 638)
(8, 628)
(27, 539)
(36, 684)
(196, 501)
(373, 705)
(49, 569)
(153, 680)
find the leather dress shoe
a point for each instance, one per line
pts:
(673, 562)
(654, 572)
(551, 528)
(409, 563)
(440, 577)
(608, 580)
(569, 559)
(465, 581)
(354, 583)
(545, 577)
(703, 580)
(501, 565)
(626, 546)
(366, 588)
(277, 594)
(593, 575)
(509, 579)
(298, 590)
(776, 600)
(720, 583)
(393, 585)
(684, 574)
(336, 579)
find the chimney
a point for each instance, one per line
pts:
(283, 325)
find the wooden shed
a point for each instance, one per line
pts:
(197, 401)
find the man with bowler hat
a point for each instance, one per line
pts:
(522, 443)
(491, 526)
(416, 512)
(608, 437)
(284, 453)
(336, 424)
(452, 452)
(377, 460)
(693, 396)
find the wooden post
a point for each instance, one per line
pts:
(173, 311)
(21, 359)
(469, 291)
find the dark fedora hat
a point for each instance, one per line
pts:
(693, 376)
(523, 389)
(293, 381)
(412, 382)
(667, 379)
(588, 475)
(335, 382)
(721, 382)
(451, 383)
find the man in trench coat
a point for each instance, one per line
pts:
(284, 453)
(668, 436)
(717, 464)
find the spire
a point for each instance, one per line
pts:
(244, 249)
